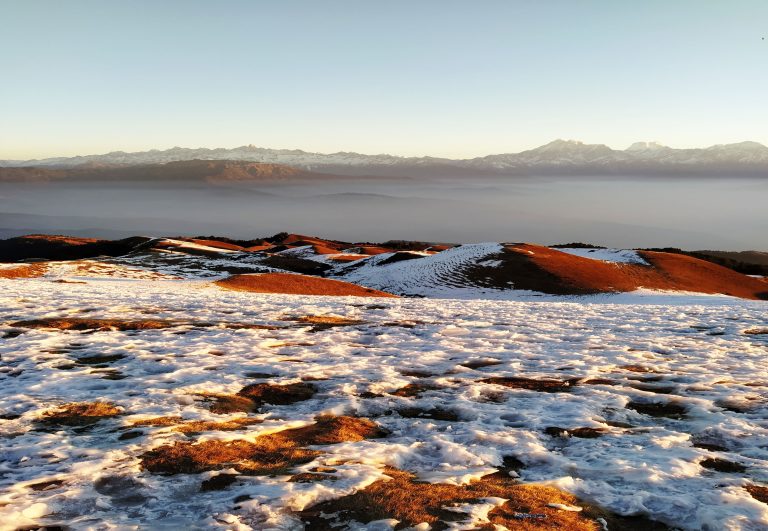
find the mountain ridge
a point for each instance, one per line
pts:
(557, 157)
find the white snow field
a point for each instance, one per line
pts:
(693, 354)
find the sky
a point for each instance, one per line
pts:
(429, 77)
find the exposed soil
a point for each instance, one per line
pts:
(297, 285)
(722, 465)
(218, 482)
(46, 485)
(98, 360)
(658, 409)
(264, 393)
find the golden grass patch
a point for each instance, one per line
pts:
(80, 413)
(412, 502)
(196, 426)
(273, 453)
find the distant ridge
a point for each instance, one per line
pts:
(209, 171)
(560, 157)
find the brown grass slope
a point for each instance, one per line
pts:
(297, 285)
(538, 268)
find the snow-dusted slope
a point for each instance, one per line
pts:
(695, 357)
(437, 275)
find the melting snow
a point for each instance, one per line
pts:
(693, 354)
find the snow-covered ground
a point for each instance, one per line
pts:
(693, 353)
(439, 275)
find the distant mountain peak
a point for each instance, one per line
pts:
(647, 146)
(563, 157)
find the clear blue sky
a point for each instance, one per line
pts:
(410, 77)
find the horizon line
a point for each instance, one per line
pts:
(381, 154)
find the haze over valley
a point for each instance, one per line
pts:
(572, 192)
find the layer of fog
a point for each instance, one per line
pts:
(725, 213)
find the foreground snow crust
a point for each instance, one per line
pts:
(693, 347)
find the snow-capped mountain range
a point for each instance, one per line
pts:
(557, 157)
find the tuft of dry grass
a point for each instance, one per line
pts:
(412, 503)
(80, 413)
(273, 453)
